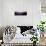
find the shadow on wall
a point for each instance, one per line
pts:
(25, 28)
(1, 32)
(3, 29)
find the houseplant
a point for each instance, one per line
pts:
(34, 39)
(41, 27)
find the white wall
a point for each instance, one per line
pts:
(31, 6)
(1, 17)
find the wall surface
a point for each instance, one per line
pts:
(1, 16)
(31, 6)
(8, 7)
